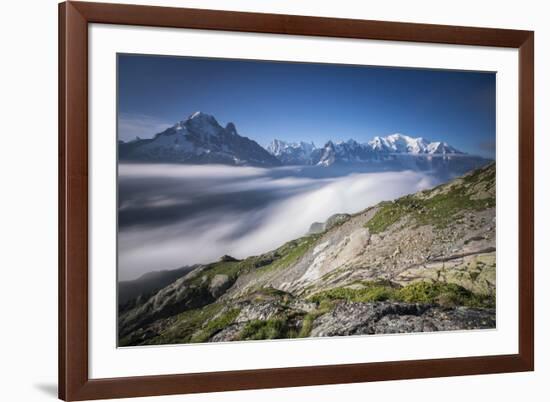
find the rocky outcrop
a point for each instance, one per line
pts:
(230, 333)
(334, 220)
(218, 285)
(387, 317)
(259, 311)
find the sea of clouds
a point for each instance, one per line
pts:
(177, 215)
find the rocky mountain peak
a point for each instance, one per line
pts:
(198, 115)
(231, 129)
(197, 140)
(292, 153)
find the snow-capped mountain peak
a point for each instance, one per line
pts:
(199, 139)
(203, 123)
(404, 144)
(292, 153)
(351, 151)
(200, 116)
(278, 146)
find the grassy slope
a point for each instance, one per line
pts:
(447, 294)
(438, 206)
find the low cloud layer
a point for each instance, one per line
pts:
(172, 216)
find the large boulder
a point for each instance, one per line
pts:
(394, 317)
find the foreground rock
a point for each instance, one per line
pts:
(389, 318)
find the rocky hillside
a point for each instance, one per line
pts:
(148, 284)
(424, 262)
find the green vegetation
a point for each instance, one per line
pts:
(444, 294)
(268, 293)
(369, 292)
(324, 307)
(185, 324)
(216, 325)
(283, 257)
(229, 268)
(485, 175)
(268, 329)
(291, 252)
(437, 207)
(200, 325)
(188, 325)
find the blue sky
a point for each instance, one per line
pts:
(308, 102)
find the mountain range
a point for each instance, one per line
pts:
(351, 151)
(200, 139)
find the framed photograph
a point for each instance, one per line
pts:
(259, 200)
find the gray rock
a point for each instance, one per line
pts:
(316, 227)
(360, 318)
(332, 221)
(219, 284)
(230, 333)
(258, 311)
(389, 318)
(302, 305)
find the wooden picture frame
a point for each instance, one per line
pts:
(74, 381)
